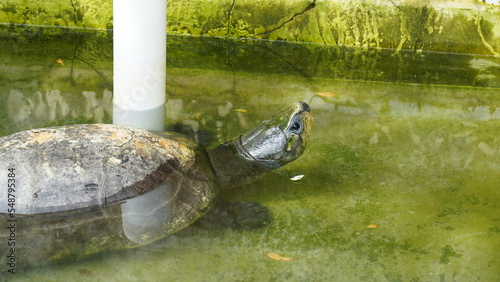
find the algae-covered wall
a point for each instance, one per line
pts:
(423, 25)
(466, 26)
(59, 13)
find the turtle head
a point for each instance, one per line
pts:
(271, 145)
(278, 141)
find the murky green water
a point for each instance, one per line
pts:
(398, 143)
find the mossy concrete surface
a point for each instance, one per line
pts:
(466, 26)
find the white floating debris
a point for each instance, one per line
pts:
(297, 177)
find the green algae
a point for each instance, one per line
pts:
(441, 26)
(447, 253)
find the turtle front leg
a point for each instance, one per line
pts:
(238, 215)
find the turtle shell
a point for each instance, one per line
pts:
(99, 187)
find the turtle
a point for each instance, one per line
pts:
(72, 191)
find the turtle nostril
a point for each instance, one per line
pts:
(305, 107)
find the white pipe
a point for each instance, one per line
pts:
(139, 58)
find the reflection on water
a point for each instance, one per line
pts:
(32, 110)
(418, 161)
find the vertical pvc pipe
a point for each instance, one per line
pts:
(139, 58)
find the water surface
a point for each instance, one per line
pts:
(412, 157)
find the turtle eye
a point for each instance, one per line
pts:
(295, 128)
